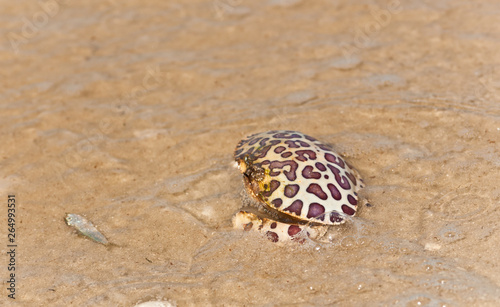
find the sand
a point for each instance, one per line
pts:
(128, 114)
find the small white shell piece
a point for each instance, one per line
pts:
(85, 227)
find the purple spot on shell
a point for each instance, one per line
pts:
(284, 135)
(279, 149)
(291, 144)
(332, 158)
(308, 173)
(246, 153)
(261, 152)
(327, 177)
(293, 230)
(291, 190)
(301, 155)
(263, 141)
(273, 185)
(334, 191)
(237, 152)
(351, 177)
(320, 166)
(310, 138)
(253, 141)
(352, 200)
(273, 225)
(277, 202)
(348, 210)
(296, 144)
(290, 175)
(274, 142)
(316, 210)
(295, 207)
(286, 154)
(272, 236)
(335, 217)
(316, 189)
(342, 181)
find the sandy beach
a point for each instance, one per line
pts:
(128, 114)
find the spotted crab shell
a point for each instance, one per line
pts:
(298, 176)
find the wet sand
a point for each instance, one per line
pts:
(128, 114)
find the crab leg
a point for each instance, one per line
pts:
(275, 231)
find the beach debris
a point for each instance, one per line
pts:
(85, 227)
(156, 304)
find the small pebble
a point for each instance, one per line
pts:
(346, 63)
(156, 304)
(432, 246)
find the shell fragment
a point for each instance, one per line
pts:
(86, 228)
